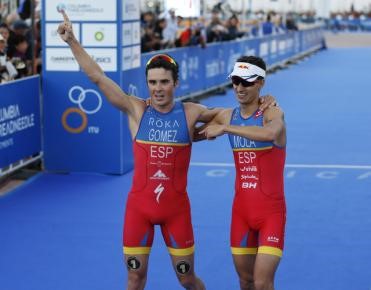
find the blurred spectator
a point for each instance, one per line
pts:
(159, 33)
(147, 18)
(17, 55)
(7, 70)
(149, 40)
(290, 22)
(3, 9)
(20, 27)
(192, 36)
(268, 26)
(24, 9)
(5, 31)
(233, 28)
(216, 30)
(170, 32)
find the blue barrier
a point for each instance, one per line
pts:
(202, 69)
(20, 133)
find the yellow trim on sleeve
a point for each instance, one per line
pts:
(244, 251)
(270, 251)
(181, 252)
(137, 250)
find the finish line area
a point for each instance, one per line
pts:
(64, 231)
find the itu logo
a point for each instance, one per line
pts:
(88, 102)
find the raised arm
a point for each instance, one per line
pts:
(129, 104)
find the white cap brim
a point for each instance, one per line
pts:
(247, 71)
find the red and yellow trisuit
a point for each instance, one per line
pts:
(259, 210)
(162, 151)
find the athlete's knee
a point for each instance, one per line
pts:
(136, 280)
(187, 281)
(191, 282)
(261, 284)
(247, 284)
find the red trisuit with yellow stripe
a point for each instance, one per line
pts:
(162, 151)
(259, 210)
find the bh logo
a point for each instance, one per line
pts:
(89, 102)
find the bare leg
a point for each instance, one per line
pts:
(137, 266)
(244, 265)
(264, 271)
(184, 269)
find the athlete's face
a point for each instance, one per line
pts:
(248, 94)
(161, 87)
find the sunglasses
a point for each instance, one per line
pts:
(164, 57)
(237, 81)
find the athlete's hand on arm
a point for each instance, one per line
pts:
(267, 101)
(213, 131)
(216, 127)
(129, 104)
(197, 135)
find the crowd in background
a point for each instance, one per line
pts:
(20, 38)
(349, 21)
(20, 41)
(169, 29)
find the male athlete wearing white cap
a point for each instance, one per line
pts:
(258, 141)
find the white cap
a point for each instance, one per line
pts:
(247, 71)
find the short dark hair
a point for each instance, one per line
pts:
(255, 60)
(157, 61)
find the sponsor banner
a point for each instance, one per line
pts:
(83, 131)
(99, 35)
(130, 10)
(60, 59)
(131, 33)
(52, 37)
(81, 10)
(126, 58)
(127, 34)
(20, 129)
(136, 32)
(131, 57)
(136, 56)
(105, 57)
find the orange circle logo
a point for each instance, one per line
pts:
(78, 129)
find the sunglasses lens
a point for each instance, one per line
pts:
(237, 81)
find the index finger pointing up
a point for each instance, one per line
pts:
(65, 17)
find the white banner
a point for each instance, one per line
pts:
(130, 10)
(52, 37)
(82, 10)
(60, 59)
(105, 57)
(99, 34)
